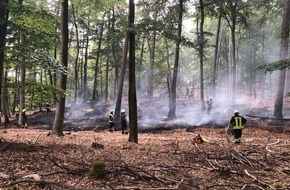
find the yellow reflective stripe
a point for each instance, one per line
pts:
(238, 123)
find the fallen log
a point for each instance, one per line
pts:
(268, 118)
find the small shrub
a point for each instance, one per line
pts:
(97, 170)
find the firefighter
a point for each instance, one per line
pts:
(238, 122)
(111, 121)
(124, 122)
(24, 118)
(17, 112)
(209, 105)
(47, 106)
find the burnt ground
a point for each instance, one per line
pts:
(164, 158)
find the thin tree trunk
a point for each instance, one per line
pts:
(94, 96)
(5, 109)
(85, 87)
(22, 76)
(168, 78)
(262, 73)
(216, 55)
(116, 65)
(133, 124)
(107, 65)
(152, 54)
(140, 66)
(60, 107)
(172, 111)
(122, 76)
(233, 53)
(16, 92)
(77, 55)
(201, 47)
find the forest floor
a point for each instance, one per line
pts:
(163, 159)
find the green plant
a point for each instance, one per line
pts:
(97, 170)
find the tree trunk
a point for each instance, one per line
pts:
(168, 78)
(114, 51)
(216, 55)
(139, 88)
(16, 92)
(77, 55)
(278, 109)
(22, 76)
(85, 87)
(172, 110)
(107, 64)
(3, 30)
(122, 76)
(5, 106)
(60, 107)
(94, 96)
(233, 53)
(152, 54)
(201, 47)
(133, 133)
(262, 73)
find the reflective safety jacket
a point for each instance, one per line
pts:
(111, 118)
(238, 122)
(16, 110)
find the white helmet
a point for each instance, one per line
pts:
(24, 110)
(236, 111)
(123, 111)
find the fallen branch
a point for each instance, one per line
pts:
(259, 181)
(157, 188)
(32, 177)
(252, 185)
(37, 138)
(3, 147)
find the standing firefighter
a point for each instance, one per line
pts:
(111, 121)
(47, 107)
(238, 124)
(24, 118)
(124, 122)
(17, 110)
(209, 105)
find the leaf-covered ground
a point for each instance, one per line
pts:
(163, 159)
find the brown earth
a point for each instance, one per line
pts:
(163, 159)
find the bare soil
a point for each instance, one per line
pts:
(164, 158)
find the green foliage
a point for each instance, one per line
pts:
(277, 65)
(97, 170)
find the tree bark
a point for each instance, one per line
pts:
(233, 52)
(214, 74)
(122, 76)
(172, 111)
(3, 31)
(76, 56)
(60, 107)
(278, 109)
(95, 93)
(201, 53)
(140, 66)
(152, 54)
(85, 87)
(107, 64)
(22, 76)
(5, 105)
(133, 133)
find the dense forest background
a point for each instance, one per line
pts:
(211, 48)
